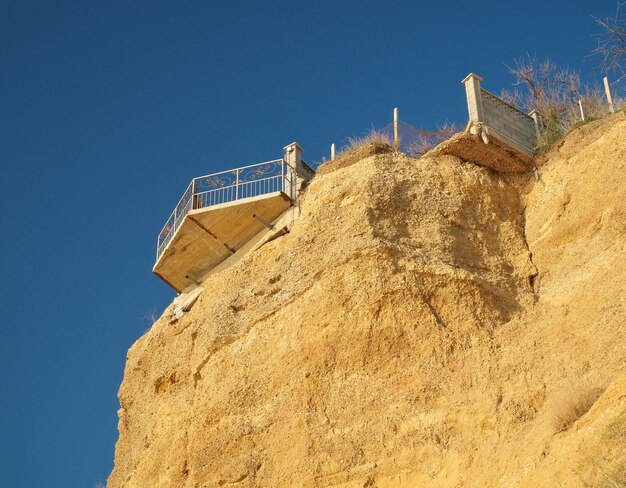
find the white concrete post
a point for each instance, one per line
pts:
(538, 121)
(293, 155)
(332, 151)
(582, 112)
(293, 160)
(609, 97)
(538, 126)
(474, 99)
(396, 138)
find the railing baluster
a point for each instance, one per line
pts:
(264, 178)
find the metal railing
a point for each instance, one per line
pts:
(225, 186)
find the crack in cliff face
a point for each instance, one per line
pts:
(434, 312)
(217, 345)
(475, 228)
(532, 278)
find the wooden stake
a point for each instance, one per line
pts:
(609, 97)
(396, 139)
(582, 112)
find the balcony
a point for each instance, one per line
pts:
(217, 215)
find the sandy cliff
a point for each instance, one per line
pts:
(427, 322)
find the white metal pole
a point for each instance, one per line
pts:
(396, 140)
(582, 112)
(332, 151)
(609, 97)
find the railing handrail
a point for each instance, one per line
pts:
(240, 183)
(193, 180)
(232, 171)
(507, 104)
(190, 186)
(187, 201)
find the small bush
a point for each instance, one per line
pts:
(554, 92)
(572, 405)
(612, 41)
(584, 122)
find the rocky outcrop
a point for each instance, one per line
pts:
(418, 326)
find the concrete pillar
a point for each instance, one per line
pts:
(538, 121)
(474, 99)
(332, 151)
(293, 161)
(293, 154)
(609, 97)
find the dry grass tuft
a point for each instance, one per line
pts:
(373, 136)
(348, 158)
(358, 148)
(573, 403)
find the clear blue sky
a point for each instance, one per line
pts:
(109, 108)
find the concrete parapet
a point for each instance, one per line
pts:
(505, 122)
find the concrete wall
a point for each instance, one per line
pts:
(305, 171)
(508, 121)
(505, 122)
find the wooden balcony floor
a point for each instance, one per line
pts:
(208, 236)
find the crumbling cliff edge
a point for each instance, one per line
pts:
(426, 322)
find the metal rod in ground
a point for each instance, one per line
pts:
(332, 151)
(264, 222)
(609, 97)
(582, 112)
(192, 279)
(396, 139)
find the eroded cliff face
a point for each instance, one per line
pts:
(418, 327)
